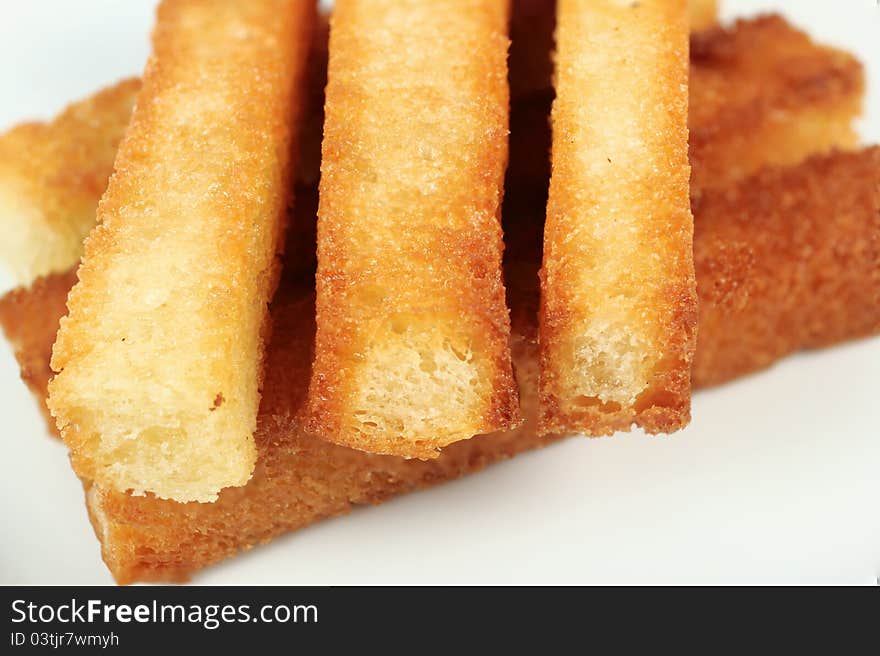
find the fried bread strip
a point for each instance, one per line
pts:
(412, 350)
(618, 302)
(160, 360)
(176, 539)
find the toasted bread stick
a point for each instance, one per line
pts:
(51, 177)
(301, 478)
(618, 303)
(762, 92)
(412, 350)
(159, 361)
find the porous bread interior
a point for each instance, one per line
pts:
(301, 478)
(199, 430)
(144, 538)
(52, 174)
(616, 357)
(416, 382)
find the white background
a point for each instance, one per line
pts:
(777, 479)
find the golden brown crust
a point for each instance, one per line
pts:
(761, 92)
(412, 350)
(65, 164)
(197, 200)
(804, 245)
(51, 177)
(301, 479)
(618, 305)
(532, 25)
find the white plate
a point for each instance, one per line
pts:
(777, 480)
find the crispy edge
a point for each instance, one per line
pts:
(29, 314)
(532, 24)
(663, 405)
(468, 263)
(299, 479)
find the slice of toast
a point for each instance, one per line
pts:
(84, 138)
